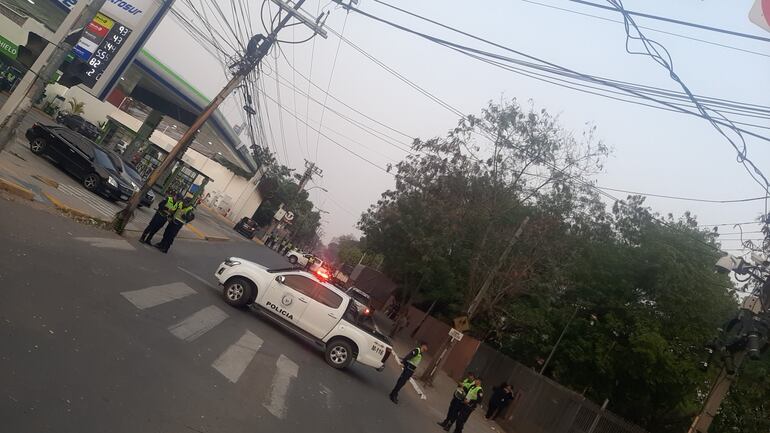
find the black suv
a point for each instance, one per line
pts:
(79, 124)
(247, 227)
(99, 170)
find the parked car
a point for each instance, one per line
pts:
(138, 180)
(247, 227)
(297, 257)
(79, 124)
(308, 305)
(92, 165)
(362, 299)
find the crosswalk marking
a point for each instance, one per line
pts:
(95, 202)
(199, 323)
(233, 361)
(279, 390)
(156, 295)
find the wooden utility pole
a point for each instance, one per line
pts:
(449, 343)
(717, 394)
(257, 48)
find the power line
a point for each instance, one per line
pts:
(591, 78)
(397, 131)
(373, 164)
(373, 132)
(700, 200)
(647, 28)
(748, 165)
(671, 20)
(653, 50)
(329, 85)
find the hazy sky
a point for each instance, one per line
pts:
(653, 151)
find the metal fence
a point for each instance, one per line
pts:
(542, 405)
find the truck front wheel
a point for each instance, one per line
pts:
(239, 292)
(339, 354)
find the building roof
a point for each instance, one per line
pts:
(164, 81)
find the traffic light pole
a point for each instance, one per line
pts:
(250, 61)
(32, 85)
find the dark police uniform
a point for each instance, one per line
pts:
(411, 361)
(182, 216)
(457, 402)
(472, 399)
(164, 212)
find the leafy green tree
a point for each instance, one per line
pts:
(640, 286)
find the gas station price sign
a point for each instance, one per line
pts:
(101, 41)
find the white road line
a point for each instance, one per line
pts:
(233, 361)
(199, 323)
(87, 197)
(156, 295)
(199, 278)
(287, 370)
(329, 396)
(116, 244)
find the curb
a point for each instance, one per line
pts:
(71, 211)
(197, 232)
(47, 181)
(17, 190)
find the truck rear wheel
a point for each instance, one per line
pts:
(339, 354)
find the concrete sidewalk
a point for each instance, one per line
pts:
(436, 397)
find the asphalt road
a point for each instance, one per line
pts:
(77, 356)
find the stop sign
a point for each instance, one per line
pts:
(760, 14)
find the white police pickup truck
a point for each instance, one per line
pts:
(306, 304)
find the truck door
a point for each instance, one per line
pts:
(289, 296)
(324, 312)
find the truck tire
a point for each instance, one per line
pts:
(339, 354)
(239, 292)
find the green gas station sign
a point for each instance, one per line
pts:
(8, 48)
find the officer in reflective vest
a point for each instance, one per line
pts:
(457, 401)
(472, 399)
(165, 211)
(411, 362)
(183, 215)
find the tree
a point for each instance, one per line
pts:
(641, 286)
(458, 199)
(277, 187)
(76, 107)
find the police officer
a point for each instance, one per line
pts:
(183, 215)
(410, 361)
(165, 211)
(472, 399)
(457, 401)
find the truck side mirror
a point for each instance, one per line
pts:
(281, 279)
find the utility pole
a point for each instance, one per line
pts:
(310, 170)
(558, 341)
(32, 85)
(256, 49)
(717, 394)
(435, 363)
